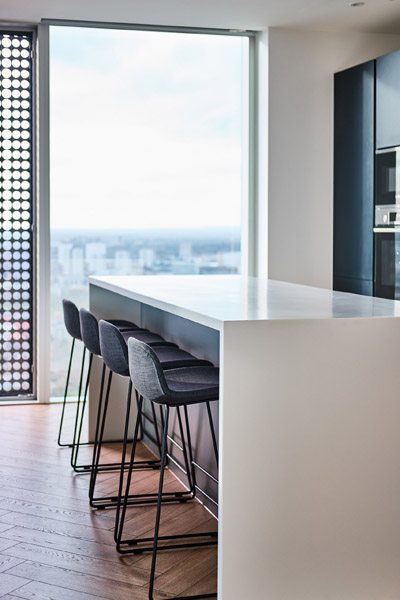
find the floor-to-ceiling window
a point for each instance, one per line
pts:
(148, 159)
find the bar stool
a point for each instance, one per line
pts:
(170, 389)
(114, 351)
(90, 336)
(73, 327)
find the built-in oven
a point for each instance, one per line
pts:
(387, 224)
(387, 177)
(387, 262)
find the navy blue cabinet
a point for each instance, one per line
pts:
(354, 149)
(388, 100)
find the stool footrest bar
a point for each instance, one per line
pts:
(139, 465)
(179, 536)
(141, 499)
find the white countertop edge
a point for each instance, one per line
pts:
(175, 309)
(211, 315)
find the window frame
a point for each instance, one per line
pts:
(249, 260)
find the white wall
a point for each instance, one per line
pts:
(300, 190)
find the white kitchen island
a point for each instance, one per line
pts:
(309, 427)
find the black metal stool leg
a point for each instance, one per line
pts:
(112, 501)
(140, 434)
(62, 445)
(121, 476)
(78, 404)
(77, 441)
(99, 440)
(159, 505)
(93, 473)
(158, 439)
(141, 545)
(158, 520)
(120, 520)
(213, 434)
(183, 448)
(190, 449)
(147, 498)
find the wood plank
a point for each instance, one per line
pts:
(56, 546)
(81, 564)
(46, 498)
(206, 585)
(78, 582)
(7, 562)
(26, 480)
(9, 583)
(6, 543)
(62, 477)
(43, 591)
(95, 519)
(62, 542)
(84, 532)
(188, 572)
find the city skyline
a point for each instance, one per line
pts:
(76, 254)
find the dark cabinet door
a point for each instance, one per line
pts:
(388, 100)
(354, 179)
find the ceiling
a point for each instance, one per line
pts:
(380, 16)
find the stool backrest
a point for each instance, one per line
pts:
(90, 331)
(113, 348)
(146, 371)
(71, 319)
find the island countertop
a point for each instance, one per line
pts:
(213, 300)
(308, 413)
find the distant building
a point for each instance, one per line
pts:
(77, 272)
(184, 268)
(122, 262)
(95, 253)
(146, 257)
(185, 251)
(64, 257)
(230, 259)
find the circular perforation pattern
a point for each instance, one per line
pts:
(16, 238)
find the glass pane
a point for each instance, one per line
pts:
(147, 159)
(16, 214)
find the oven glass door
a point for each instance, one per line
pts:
(387, 181)
(387, 265)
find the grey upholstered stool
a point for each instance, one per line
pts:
(114, 351)
(171, 389)
(89, 329)
(73, 327)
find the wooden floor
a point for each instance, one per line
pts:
(53, 546)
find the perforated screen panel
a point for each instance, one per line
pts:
(16, 214)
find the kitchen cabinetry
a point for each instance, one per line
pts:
(388, 100)
(354, 179)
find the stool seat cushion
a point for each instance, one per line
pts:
(151, 339)
(123, 325)
(174, 358)
(191, 385)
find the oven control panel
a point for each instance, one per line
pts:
(387, 216)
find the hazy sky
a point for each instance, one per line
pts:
(146, 129)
